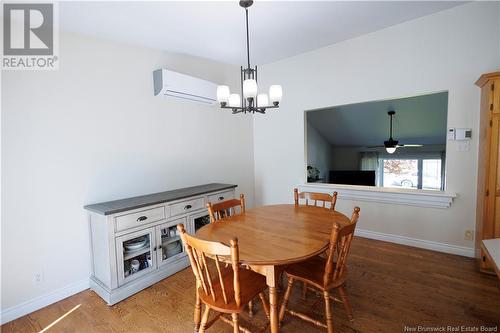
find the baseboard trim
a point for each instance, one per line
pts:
(415, 242)
(39, 302)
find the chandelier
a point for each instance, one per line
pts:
(252, 101)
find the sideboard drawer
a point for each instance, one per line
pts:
(221, 196)
(135, 219)
(186, 206)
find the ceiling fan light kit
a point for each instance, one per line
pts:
(252, 101)
(390, 150)
(391, 144)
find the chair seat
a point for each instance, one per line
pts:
(251, 284)
(311, 271)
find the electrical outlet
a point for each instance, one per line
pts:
(38, 277)
(469, 235)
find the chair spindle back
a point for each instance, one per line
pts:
(340, 244)
(324, 199)
(199, 252)
(226, 208)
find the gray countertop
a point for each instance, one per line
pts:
(117, 206)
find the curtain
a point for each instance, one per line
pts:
(443, 169)
(369, 161)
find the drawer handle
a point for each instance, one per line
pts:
(187, 207)
(221, 198)
(142, 218)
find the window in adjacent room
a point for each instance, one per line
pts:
(417, 173)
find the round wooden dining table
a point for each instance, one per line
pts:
(273, 236)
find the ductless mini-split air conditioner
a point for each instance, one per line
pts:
(178, 85)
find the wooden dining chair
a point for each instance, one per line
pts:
(324, 275)
(226, 208)
(324, 200)
(223, 289)
(312, 199)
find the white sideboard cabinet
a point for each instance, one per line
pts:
(135, 243)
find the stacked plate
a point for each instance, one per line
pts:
(173, 249)
(136, 244)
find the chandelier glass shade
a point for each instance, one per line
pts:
(252, 100)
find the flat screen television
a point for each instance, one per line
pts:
(352, 177)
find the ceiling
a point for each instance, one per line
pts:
(215, 29)
(418, 120)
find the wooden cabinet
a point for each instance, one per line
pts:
(135, 243)
(488, 191)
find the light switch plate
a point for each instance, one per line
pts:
(463, 134)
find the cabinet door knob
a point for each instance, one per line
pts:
(221, 198)
(141, 218)
(159, 247)
(187, 207)
(154, 249)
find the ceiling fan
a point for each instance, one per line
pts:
(391, 145)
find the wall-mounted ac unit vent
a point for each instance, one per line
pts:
(173, 84)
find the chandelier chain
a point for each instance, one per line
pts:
(248, 39)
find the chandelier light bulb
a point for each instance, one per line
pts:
(390, 150)
(275, 94)
(223, 94)
(234, 100)
(249, 88)
(262, 100)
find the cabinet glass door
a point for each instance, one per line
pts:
(200, 220)
(135, 253)
(170, 243)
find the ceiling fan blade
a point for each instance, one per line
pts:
(375, 147)
(411, 145)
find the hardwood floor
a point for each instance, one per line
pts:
(390, 286)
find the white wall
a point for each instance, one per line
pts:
(319, 151)
(446, 51)
(93, 131)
